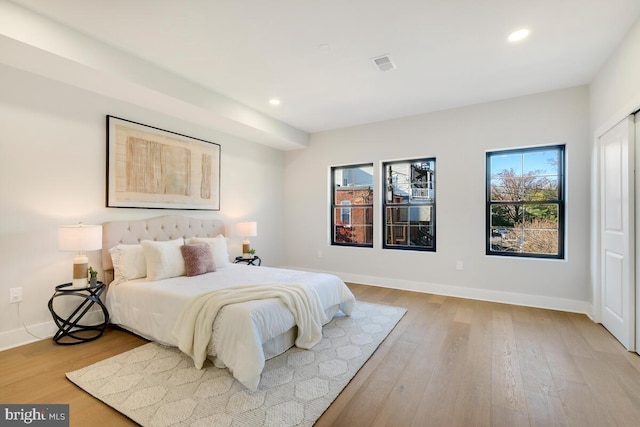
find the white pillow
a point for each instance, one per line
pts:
(164, 259)
(218, 246)
(128, 263)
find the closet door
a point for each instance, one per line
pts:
(617, 258)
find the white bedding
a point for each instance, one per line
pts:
(151, 309)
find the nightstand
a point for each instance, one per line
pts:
(70, 329)
(249, 261)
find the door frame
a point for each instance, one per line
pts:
(636, 140)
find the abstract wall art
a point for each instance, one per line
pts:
(148, 167)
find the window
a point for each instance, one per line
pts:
(345, 217)
(525, 202)
(352, 205)
(409, 205)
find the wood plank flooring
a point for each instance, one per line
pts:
(449, 362)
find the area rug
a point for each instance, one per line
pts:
(156, 385)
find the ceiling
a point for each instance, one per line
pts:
(316, 55)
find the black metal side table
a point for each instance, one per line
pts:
(70, 330)
(249, 261)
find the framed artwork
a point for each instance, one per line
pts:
(149, 167)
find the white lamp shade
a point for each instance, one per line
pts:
(247, 228)
(80, 237)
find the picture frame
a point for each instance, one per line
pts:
(153, 168)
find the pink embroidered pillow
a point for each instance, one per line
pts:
(198, 259)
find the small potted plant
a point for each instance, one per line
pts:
(252, 253)
(93, 277)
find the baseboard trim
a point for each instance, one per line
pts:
(41, 331)
(514, 298)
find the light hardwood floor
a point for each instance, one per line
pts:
(449, 362)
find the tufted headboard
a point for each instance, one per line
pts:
(167, 227)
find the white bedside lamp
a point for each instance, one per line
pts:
(246, 229)
(80, 238)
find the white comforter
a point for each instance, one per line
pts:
(151, 309)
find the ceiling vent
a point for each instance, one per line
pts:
(384, 63)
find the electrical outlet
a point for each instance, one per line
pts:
(459, 265)
(15, 295)
(319, 253)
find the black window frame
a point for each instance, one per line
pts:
(560, 202)
(334, 206)
(386, 204)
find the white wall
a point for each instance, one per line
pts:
(458, 140)
(52, 172)
(613, 94)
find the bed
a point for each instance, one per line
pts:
(244, 334)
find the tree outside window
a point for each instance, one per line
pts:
(525, 202)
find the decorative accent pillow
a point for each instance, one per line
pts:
(164, 259)
(128, 263)
(218, 247)
(198, 259)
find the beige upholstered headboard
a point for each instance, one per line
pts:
(167, 227)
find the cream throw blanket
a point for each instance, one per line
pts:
(194, 326)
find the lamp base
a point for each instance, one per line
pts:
(80, 271)
(246, 247)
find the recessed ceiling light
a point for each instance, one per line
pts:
(274, 101)
(518, 35)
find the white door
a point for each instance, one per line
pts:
(617, 262)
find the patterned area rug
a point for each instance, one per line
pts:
(156, 385)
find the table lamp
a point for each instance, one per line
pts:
(246, 229)
(80, 238)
